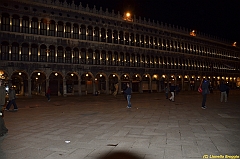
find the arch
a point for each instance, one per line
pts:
(56, 83)
(72, 83)
(19, 79)
(100, 83)
(38, 82)
(87, 79)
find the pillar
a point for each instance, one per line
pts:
(29, 88)
(64, 87)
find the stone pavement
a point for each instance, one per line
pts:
(101, 127)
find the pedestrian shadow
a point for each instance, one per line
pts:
(120, 155)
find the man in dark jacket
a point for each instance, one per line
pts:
(128, 93)
(205, 91)
(12, 97)
(172, 91)
(223, 89)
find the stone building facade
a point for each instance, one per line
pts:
(78, 50)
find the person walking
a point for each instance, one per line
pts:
(3, 129)
(166, 92)
(128, 93)
(223, 89)
(12, 97)
(205, 91)
(116, 90)
(48, 93)
(172, 91)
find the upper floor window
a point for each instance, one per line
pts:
(5, 22)
(25, 24)
(34, 26)
(15, 23)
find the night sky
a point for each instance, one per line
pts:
(219, 18)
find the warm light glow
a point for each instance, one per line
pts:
(234, 44)
(39, 73)
(193, 33)
(56, 74)
(20, 73)
(127, 17)
(72, 74)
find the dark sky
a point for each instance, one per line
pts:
(220, 18)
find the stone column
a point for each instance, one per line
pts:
(107, 86)
(64, 87)
(94, 85)
(79, 87)
(29, 88)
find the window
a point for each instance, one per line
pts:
(43, 27)
(68, 30)
(43, 53)
(68, 55)
(133, 60)
(60, 29)
(25, 52)
(25, 24)
(15, 23)
(83, 32)
(83, 56)
(103, 35)
(90, 57)
(127, 59)
(115, 37)
(132, 39)
(34, 53)
(5, 22)
(110, 60)
(52, 28)
(4, 51)
(75, 31)
(138, 60)
(60, 54)
(126, 38)
(90, 33)
(115, 59)
(15, 52)
(109, 36)
(75, 56)
(96, 34)
(97, 57)
(103, 58)
(34, 26)
(121, 59)
(51, 54)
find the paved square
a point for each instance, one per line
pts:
(101, 126)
